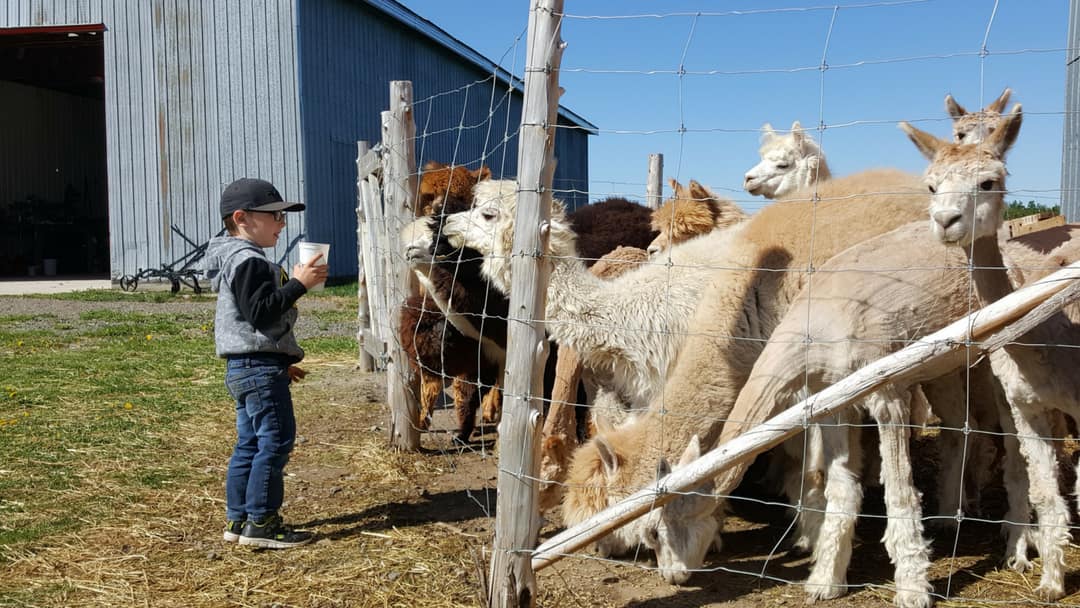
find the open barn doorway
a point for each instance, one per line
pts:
(53, 182)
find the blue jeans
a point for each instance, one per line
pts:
(265, 430)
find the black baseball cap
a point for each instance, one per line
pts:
(253, 194)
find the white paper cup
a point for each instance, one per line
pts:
(310, 250)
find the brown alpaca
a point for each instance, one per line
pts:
(440, 181)
(610, 223)
(694, 210)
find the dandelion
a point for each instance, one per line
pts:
(128, 406)
(149, 337)
(19, 343)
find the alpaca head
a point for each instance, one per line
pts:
(973, 127)
(440, 183)
(691, 212)
(416, 240)
(488, 227)
(967, 181)
(681, 531)
(788, 162)
(602, 473)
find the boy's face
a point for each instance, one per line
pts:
(259, 227)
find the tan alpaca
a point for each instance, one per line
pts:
(973, 127)
(738, 310)
(966, 211)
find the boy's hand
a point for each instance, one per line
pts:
(296, 374)
(309, 274)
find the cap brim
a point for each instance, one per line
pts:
(279, 206)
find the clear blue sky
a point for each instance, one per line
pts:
(620, 74)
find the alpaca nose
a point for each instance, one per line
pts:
(946, 218)
(653, 250)
(747, 179)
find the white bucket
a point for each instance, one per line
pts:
(310, 250)
(48, 266)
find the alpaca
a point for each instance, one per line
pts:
(741, 303)
(610, 223)
(788, 163)
(562, 426)
(456, 296)
(858, 308)
(693, 211)
(973, 127)
(439, 181)
(968, 186)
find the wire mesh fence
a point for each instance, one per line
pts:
(750, 386)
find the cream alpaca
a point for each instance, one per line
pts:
(788, 163)
(968, 183)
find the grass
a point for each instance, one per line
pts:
(97, 410)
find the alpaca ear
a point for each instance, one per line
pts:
(925, 142)
(675, 187)
(663, 468)
(698, 192)
(482, 173)
(692, 451)
(431, 165)
(998, 105)
(608, 457)
(954, 109)
(767, 133)
(603, 424)
(1003, 137)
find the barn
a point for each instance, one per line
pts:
(124, 119)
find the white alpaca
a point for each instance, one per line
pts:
(968, 182)
(788, 163)
(747, 293)
(627, 329)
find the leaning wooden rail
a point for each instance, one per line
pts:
(989, 328)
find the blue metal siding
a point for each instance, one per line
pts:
(1070, 152)
(349, 53)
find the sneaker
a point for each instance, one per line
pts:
(272, 533)
(233, 528)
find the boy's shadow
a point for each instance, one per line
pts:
(445, 507)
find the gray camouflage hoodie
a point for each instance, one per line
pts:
(256, 308)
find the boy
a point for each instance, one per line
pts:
(253, 332)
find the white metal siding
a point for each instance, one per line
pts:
(197, 93)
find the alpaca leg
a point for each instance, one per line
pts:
(431, 387)
(805, 485)
(491, 405)
(1052, 512)
(1017, 527)
(465, 405)
(946, 394)
(908, 549)
(843, 496)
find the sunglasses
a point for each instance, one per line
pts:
(279, 216)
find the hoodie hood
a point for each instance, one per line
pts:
(221, 254)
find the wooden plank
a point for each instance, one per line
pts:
(375, 347)
(365, 362)
(399, 191)
(654, 186)
(1037, 226)
(517, 518)
(368, 162)
(994, 326)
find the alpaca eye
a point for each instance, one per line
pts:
(987, 185)
(783, 166)
(960, 136)
(488, 215)
(933, 190)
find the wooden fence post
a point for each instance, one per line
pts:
(399, 188)
(654, 188)
(517, 519)
(365, 362)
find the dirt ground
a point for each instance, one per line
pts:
(755, 569)
(415, 529)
